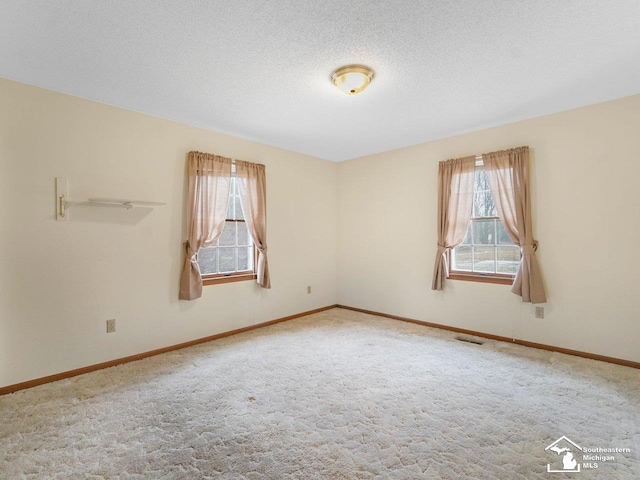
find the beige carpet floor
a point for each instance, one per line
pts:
(335, 395)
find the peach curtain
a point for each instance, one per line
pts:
(209, 186)
(508, 176)
(252, 185)
(455, 201)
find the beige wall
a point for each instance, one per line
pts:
(60, 281)
(586, 207)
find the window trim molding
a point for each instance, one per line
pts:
(499, 278)
(217, 278)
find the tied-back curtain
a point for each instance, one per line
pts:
(508, 175)
(252, 186)
(455, 201)
(209, 186)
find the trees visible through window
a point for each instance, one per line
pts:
(487, 247)
(233, 253)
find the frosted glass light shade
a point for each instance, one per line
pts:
(352, 79)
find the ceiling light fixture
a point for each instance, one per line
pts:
(352, 79)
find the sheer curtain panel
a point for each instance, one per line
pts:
(508, 175)
(209, 185)
(252, 185)
(455, 201)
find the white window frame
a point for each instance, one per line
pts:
(477, 276)
(236, 275)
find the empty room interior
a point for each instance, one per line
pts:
(319, 240)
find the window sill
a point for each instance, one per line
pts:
(238, 277)
(482, 277)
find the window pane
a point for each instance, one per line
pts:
(243, 258)
(230, 207)
(480, 179)
(243, 234)
(508, 259)
(467, 236)
(483, 205)
(238, 210)
(228, 259)
(503, 236)
(228, 237)
(484, 259)
(207, 260)
(461, 258)
(483, 232)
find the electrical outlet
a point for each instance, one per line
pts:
(308, 288)
(111, 325)
(539, 312)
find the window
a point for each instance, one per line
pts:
(232, 257)
(487, 253)
(216, 182)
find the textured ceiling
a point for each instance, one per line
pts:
(260, 69)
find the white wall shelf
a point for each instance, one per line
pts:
(63, 204)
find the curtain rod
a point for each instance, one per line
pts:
(478, 157)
